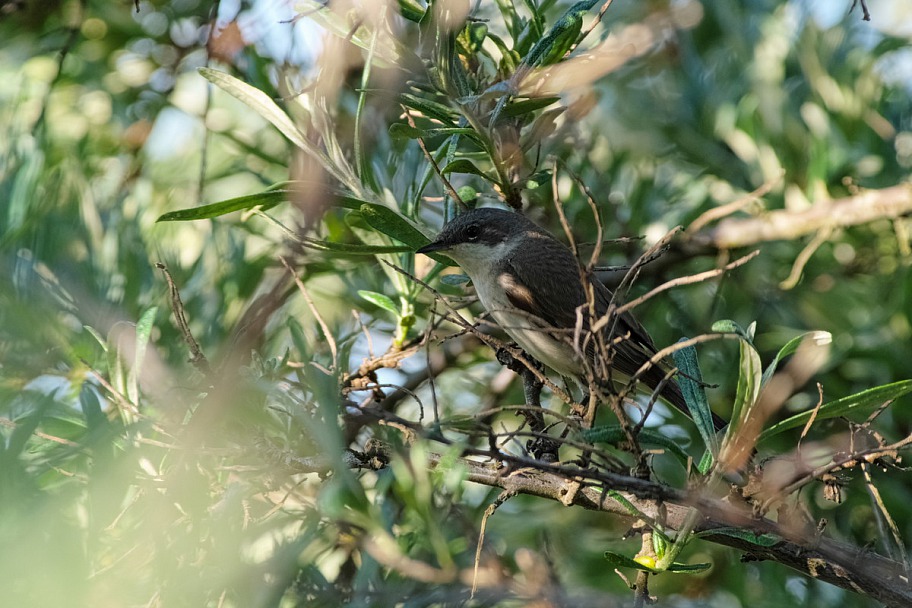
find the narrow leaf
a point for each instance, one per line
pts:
(690, 380)
(560, 33)
(761, 540)
(454, 279)
(463, 165)
(612, 434)
(518, 108)
(860, 403)
(819, 337)
(393, 225)
(258, 101)
(264, 200)
(690, 568)
(353, 248)
(622, 561)
(143, 332)
(380, 300)
(429, 108)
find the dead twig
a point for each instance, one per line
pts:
(197, 358)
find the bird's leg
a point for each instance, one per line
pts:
(542, 448)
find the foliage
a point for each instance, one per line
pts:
(311, 453)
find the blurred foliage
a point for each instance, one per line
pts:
(132, 477)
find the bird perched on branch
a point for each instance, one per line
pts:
(532, 285)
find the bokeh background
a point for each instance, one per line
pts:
(130, 476)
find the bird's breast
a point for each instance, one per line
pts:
(553, 349)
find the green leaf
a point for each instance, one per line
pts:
(274, 195)
(860, 403)
(299, 339)
(380, 300)
(394, 225)
(454, 279)
(38, 406)
(690, 568)
(690, 380)
(761, 540)
(143, 332)
(461, 422)
(552, 46)
(727, 326)
(706, 461)
(411, 10)
(622, 561)
(98, 337)
(353, 248)
(91, 407)
(258, 101)
(612, 434)
(749, 373)
(463, 165)
(429, 108)
(404, 131)
(518, 108)
(400, 130)
(819, 337)
(266, 200)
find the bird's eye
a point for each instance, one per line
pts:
(473, 231)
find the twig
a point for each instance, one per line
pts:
(197, 358)
(12, 424)
(847, 461)
(721, 211)
(592, 25)
(494, 343)
(688, 280)
(501, 499)
(801, 261)
(446, 183)
(330, 341)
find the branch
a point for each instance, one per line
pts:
(837, 563)
(783, 224)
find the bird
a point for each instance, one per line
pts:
(530, 283)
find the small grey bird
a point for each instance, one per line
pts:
(530, 283)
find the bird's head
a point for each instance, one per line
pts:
(479, 238)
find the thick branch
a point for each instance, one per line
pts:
(837, 563)
(862, 208)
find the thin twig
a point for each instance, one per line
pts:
(801, 261)
(430, 158)
(592, 26)
(330, 341)
(501, 499)
(717, 213)
(688, 280)
(197, 358)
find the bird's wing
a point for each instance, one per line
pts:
(627, 324)
(544, 281)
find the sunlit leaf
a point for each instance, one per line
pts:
(819, 337)
(258, 101)
(862, 403)
(265, 200)
(381, 300)
(622, 561)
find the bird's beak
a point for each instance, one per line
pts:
(433, 246)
